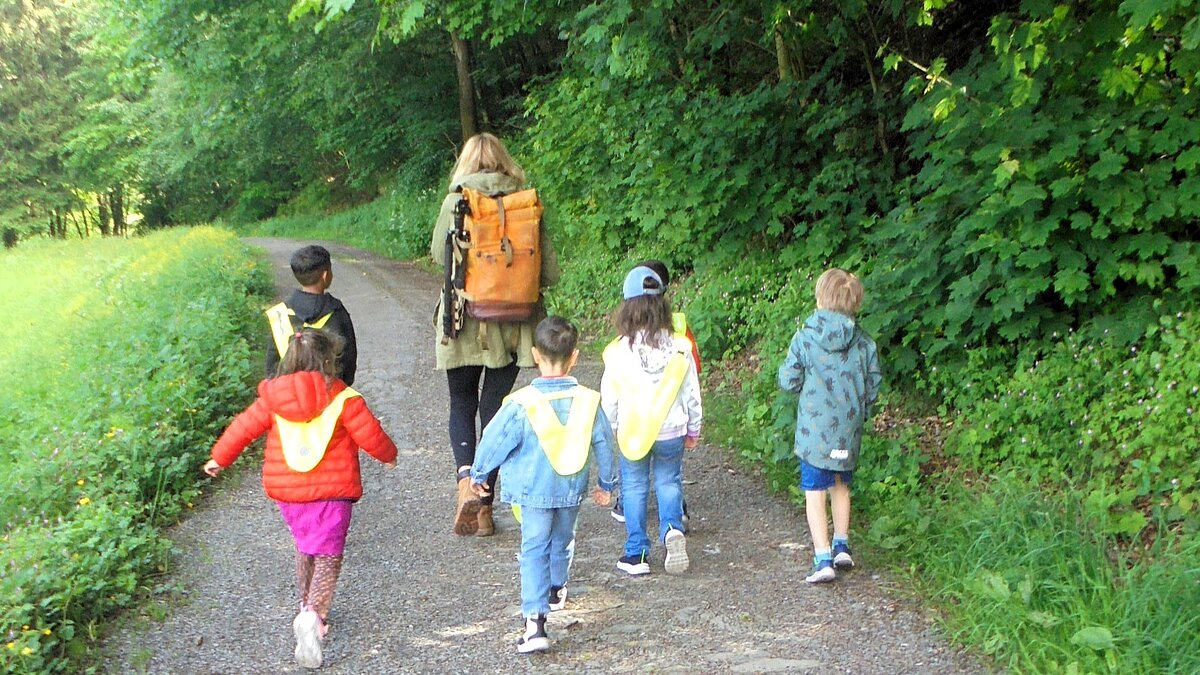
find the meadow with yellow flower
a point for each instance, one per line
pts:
(121, 361)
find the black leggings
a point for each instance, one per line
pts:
(468, 399)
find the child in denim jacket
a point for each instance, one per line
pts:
(832, 363)
(543, 439)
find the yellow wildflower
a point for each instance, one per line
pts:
(80, 482)
(45, 631)
(84, 501)
(11, 645)
(26, 651)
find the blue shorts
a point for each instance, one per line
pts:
(812, 478)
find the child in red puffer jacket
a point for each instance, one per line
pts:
(315, 425)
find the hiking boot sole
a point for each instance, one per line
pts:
(466, 520)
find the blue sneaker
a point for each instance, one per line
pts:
(822, 572)
(841, 556)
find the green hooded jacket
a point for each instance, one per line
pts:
(499, 344)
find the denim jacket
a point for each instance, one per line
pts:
(526, 477)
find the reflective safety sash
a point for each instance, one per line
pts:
(304, 443)
(679, 324)
(644, 406)
(565, 445)
(280, 318)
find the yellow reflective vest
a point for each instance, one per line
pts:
(282, 329)
(304, 443)
(566, 445)
(644, 405)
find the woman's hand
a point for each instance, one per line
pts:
(212, 468)
(690, 442)
(480, 489)
(601, 497)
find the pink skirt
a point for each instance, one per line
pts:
(319, 528)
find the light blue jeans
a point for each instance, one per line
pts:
(666, 460)
(547, 546)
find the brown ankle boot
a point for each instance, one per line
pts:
(487, 527)
(466, 519)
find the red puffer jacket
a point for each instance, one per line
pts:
(301, 397)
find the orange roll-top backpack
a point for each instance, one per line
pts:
(504, 258)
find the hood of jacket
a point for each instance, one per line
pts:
(488, 182)
(833, 332)
(312, 306)
(298, 397)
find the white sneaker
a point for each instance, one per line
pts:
(677, 557)
(535, 638)
(307, 628)
(558, 598)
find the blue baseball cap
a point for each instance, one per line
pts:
(635, 283)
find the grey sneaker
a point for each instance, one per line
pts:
(677, 557)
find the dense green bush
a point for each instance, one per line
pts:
(108, 419)
(397, 224)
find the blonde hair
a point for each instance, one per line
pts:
(839, 291)
(485, 152)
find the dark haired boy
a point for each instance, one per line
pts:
(311, 306)
(543, 439)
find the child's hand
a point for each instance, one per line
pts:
(480, 489)
(690, 442)
(601, 497)
(212, 468)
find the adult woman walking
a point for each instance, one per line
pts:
(482, 361)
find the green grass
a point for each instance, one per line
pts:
(107, 418)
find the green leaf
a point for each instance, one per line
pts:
(891, 62)
(1109, 164)
(1188, 159)
(1093, 637)
(1044, 619)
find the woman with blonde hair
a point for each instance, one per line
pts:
(482, 361)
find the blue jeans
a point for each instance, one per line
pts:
(666, 459)
(547, 546)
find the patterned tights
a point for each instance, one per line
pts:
(317, 576)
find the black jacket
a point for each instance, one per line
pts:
(310, 307)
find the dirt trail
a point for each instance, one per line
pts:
(414, 598)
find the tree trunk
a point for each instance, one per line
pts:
(783, 58)
(466, 86)
(118, 210)
(102, 215)
(75, 222)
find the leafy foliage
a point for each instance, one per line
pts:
(103, 430)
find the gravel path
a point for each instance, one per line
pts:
(414, 598)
